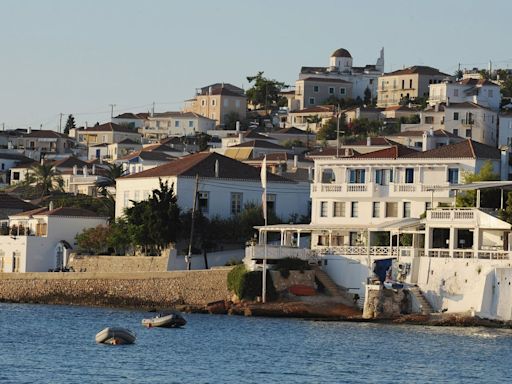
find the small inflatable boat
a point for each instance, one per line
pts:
(115, 336)
(169, 320)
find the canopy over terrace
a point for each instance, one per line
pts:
(327, 232)
(476, 186)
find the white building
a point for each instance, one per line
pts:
(131, 120)
(482, 92)
(41, 239)
(177, 124)
(225, 186)
(389, 204)
(340, 68)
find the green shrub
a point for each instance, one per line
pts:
(247, 285)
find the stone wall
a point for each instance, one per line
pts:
(383, 303)
(134, 290)
(114, 264)
(295, 278)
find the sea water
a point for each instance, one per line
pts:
(55, 344)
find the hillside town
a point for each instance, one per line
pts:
(372, 179)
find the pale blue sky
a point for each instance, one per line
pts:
(80, 56)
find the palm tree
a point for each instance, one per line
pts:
(46, 178)
(113, 172)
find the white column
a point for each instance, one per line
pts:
(452, 241)
(476, 241)
(298, 239)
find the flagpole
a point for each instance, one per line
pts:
(264, 206)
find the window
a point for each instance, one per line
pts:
(126, 198)
(331, 90)
(136, 196)
(202, 201)
(338, 209)
(429, 119)
(468, 132)
(191, 124)
(177, 124)
(453, 175)
(236, 203)
(409, 175)
(3, 166)
(203, 103)
(376, 209)
(410, 84)
(271, 203)
(455, 115)
(213, 102)
(237, 103)
(226, 102)
(323, 209)
(456, 132)
(391, 209)
(357, 176)
(343, 91)
(407, 209)
(383, 176)
(428, 205)
(311, 101)
(456, 92)
(403, 84)
(315, 88)
(354, 209)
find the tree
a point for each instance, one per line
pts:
(46, 178)
(488, 198)
(70, 124)
(108, 179)
(155, 223)
(264, 92)
(367, 96)
(458, 74)
(93, 240)
(329, 130)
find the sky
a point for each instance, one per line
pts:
(79, 57)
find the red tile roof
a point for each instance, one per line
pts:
(204, 164)
(46, 134)
(437, 133)
(317, 109)
(258, 144)
(109, 127)
(465, 149)
(393, 152)
(418, 69)
(10, 202)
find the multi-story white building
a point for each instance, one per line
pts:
(482, 92)
(390, 205)
(465, 119)
(340, 79)
(175, 124)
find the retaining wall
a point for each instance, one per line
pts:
(134, 290)
(109, 264)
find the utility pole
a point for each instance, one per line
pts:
(60, 123)
(153, 110)
(188, 258)
(112, 110)
(338, 131)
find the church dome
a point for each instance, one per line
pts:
(341, 52)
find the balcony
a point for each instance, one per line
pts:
(419, 190)
(348, 189)
(467, 122)
(449, 214)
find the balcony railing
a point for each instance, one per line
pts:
(451, 214)
(470, 254)
(467, 122)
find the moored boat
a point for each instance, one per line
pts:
(115, 336)
(169, 320)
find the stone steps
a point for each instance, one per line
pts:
(327, 282)
(425, 306)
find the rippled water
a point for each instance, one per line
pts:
(55, 344)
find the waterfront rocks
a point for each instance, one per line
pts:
(132, 290)
(386, 303)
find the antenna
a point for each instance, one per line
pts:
(112, 110)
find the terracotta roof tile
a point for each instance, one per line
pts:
(465, 149)
(204, 164)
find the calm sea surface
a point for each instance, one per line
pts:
(55, 344)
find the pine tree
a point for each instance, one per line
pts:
(70, 123)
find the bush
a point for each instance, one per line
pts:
(247, 285)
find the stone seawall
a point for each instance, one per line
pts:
(114, 264)
(134, 290)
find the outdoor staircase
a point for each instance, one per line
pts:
(425, 307)
(331, 288)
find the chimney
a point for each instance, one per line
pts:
(310, 174)
(238, 126)
(75, 170)
(447, 101)
(29, 130)
(85, 171)
(50, 206)
(240, 138)
(217, 168)
(427, 142)
(369, 141)
(209, 91)
(295, 161)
